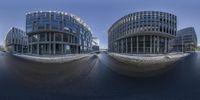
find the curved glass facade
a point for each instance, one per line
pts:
(142, 32)
(16, 41)
(57, 33)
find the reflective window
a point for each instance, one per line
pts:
(58, 37)
(65, 38)
(42, 36)
(35, 38)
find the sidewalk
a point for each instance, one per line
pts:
(140, 65)
(53, 59)
(148, 59)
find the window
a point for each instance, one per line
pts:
(58, 37)
(65, 38)
(40, 27)
(47, 26)
(35, 38)
(42, 37)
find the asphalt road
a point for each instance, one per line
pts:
(92, 79)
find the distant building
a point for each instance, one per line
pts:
(145, 32)
(16, 41)
(186, 40)
(57, 33)
(95, 44)
(1, 48)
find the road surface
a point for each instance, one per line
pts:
(92, 79)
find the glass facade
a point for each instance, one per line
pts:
(57, 33)
(144, 32)
(186, 40)
(16, 41)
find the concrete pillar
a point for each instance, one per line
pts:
(144, 47)
(150, 44)
(28, 48)
(77, 49)
(71, 39)
(167, 45)
(68, 36)
(45, 37)
(31, 51)
(38, 48)
(49, 43)
(54, 44)
(154, 44)
(62, 44)
(54, 48)
(126, 45)
(17, 48)
(165, 51)
(118, 46)
(22, 49)
(122, 46)
(131, 45)
(137, 45)
(158, 44)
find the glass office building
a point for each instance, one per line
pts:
(95, 44)
(16, 41)
(145, 32)
(186, 40)
(57, 33)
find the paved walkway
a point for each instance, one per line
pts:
(141, 58)
(53, 59)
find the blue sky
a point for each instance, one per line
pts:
(99, 14)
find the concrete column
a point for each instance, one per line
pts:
(38, 48)
(49, 43)
(154, 44)
(144, 44)
(62, 44)
(45, 37)
(71, 39)
(137, 45)
(131, 45)
(165, 51)
(118, 46)
(158, 44)
(22, 49)
(122, 46)
(167, 45)
(150, 44)
(54, 44)
(17, 49)
(30, 45)
(77, 49)
(68, 36)
(126, 45)
(28, 48)
(31, 48)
